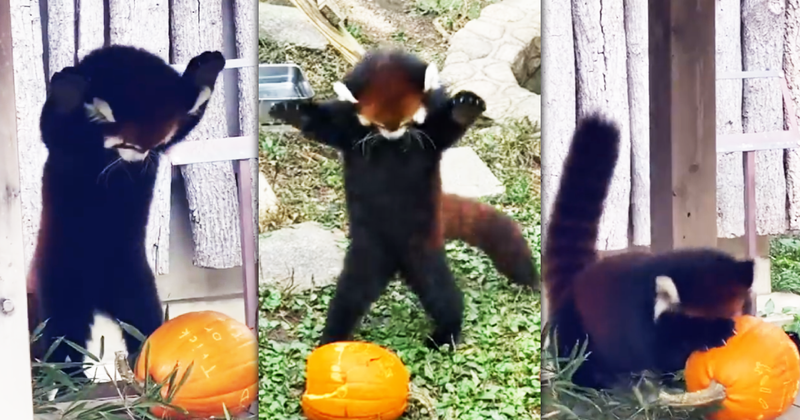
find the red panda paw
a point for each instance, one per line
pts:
(293, 113)
(467, 107)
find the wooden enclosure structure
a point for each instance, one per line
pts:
(217, 162)
(693, 135)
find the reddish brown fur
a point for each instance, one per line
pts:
(389, 98)
(490, 230)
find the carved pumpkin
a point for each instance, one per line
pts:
(755, 375)
(354, 380)
(225, 370)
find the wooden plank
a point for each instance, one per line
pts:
(210, 187)
(29, 90)
(145, 24)
(602, 85)
(231, 63)
(682, 124)
(558, 104)
(636, 40)
(770, 140)
(751, 74)
(16, 400)
(245, 20)
(91, 26)
(213, 150)
(730, 211)
(60, 35)
(791, 67)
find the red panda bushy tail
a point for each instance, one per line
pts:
(494, 233)
(573, 227)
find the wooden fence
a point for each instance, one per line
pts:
(217, 161)
(609, 71)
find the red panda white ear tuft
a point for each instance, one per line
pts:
(432, 81)
(344, 93)
(666, 296)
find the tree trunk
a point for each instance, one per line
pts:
(558, 94)
(602, 85)
(762, 37)
(730, 182)
(145, 24)
(791, 70)
(210, 187)
(639, 102)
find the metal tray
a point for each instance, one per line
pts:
(280, 82)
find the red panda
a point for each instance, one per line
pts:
(391, 122)
(639, 311)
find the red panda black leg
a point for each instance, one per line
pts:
(367, 271)
(429, 276)
(69, 319)
(138, 306)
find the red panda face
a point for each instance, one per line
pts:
(390, 101)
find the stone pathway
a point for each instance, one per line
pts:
(491, 53)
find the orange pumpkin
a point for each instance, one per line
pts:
(354, 380)
(225, 370)
(758, 368)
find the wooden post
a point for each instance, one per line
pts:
(16, 400)
(682, 124)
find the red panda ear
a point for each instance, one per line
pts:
(344, 93)
(432, 81)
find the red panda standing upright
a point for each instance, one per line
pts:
(392, 121)
(639, 311)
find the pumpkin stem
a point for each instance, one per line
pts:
(422, 397)
(713, 394)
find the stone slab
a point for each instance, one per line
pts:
(288, 25)
(302, 256)
(465, 174)
(267, 200)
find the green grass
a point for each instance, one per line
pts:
(494, 374)
(785, 257)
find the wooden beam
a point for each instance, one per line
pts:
(682, 124)
(16, 400)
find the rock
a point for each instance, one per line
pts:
(288, 25)
(303, 256)
(267, 200)
(465, 174)
(499, 50)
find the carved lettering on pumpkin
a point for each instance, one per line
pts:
(237, 335)
(205, 356)
(193, 339)
(764, 380)
(762, 369)
(185, 333)
(765, 390)
(198, 346)
(216, 336)
(208, 329)
(764, 405)
(245, 396)
(207, 371)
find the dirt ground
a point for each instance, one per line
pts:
(399, 23)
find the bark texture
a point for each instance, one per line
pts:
(639, 106)
(210, 187)
(558, 95)
(791, 69)
(762, 110)
(730, 184)
(602, 85)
